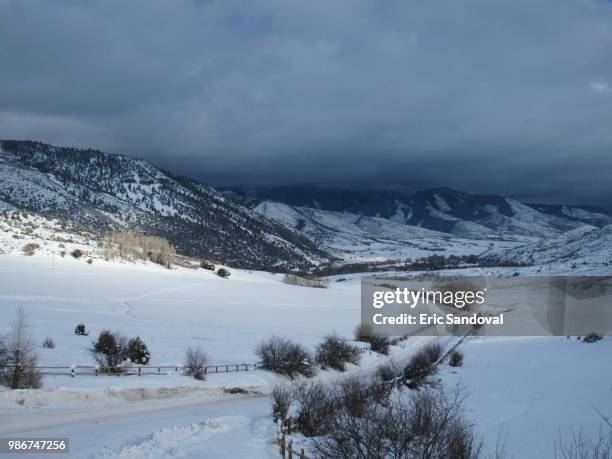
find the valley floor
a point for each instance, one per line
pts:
(525, 391)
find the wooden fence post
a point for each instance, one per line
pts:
(139, 371)
(290, 450)
(302, 455)
(282, 446)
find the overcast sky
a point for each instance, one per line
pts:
(511, 96)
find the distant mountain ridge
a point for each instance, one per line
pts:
(441, 209)
(104, 191)
(271, 227)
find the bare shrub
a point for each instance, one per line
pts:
(456, 358)
(30, 248)
(77, 253)
(335, 352)
(205, 264)
(196, 360)
(48, 343)
(283, 356)
(433, 351)
(222, 272)
(422, 364)
(363, 332)
(20, 359)
(378, 343)
(428, 423)
(3, 356)
(281, 401)
(314, 401)
(592, 337)
(354, 393)
(386, 372)
(577, 445)
(80, 330)
(312, 281)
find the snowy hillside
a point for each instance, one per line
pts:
(114, 191)
(587, 247)
(441, 209)
(355, 238)
(50, 236)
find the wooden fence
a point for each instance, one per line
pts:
(139, 370)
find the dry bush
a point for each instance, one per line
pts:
(77, 253)
(423, 424)
(30, 248)
(592, 337)
(335, 352)
(133, 247)
(577, 445)
(378, 343)
(195, 362)
(3, 354)
(80, 330)
(363, 332)
(422, 364)
(222, 272)
(314, 282)
(386, 372)
(18, 357)
(281, 401)
(313, 400)
(283, 356)
(205, 264)
(48, 343)
(355, 393)
(456, 358)
(433, 351)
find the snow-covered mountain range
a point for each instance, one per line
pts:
(442, 210)
(585, 246)
(103, 191)
(288, 227)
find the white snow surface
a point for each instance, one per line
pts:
(356, 238)
(526, 390)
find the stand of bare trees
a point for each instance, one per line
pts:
(132, 247)
(18, 360)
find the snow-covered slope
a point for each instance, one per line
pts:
(49, 236)
(114, 191)
(354, 237)
(441, 209)
(587, 245)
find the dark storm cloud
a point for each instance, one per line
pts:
(483, 95)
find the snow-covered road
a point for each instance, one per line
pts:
(236, 427)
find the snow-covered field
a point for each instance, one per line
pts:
(169, 309)
(525, 389)
(529, 391)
